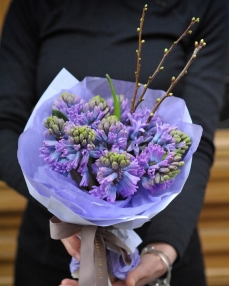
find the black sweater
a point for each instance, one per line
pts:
(92, 38)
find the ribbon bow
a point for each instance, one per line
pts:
(94, 240)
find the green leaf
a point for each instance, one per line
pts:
(59, 114)
(117, 107)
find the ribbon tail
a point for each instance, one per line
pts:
(101, 271)
(116, 244)
(60, 229)
(87, 268)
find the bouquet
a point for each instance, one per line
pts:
(105, 160)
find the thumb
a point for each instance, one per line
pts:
(150, 267)
(136, 276)
(72, 245)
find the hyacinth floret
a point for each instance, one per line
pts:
(136, 129)
(65, 101)
(74, 152)
(117, 175)
(82, 135)
(151, 128)
(137, 123)
(164, 138)
(160, 166)
(140, 132)
(182, 141)
(54, 127)
(172, 139)
(92, 112)
(68, 156)
(111, 132)
(49, 152)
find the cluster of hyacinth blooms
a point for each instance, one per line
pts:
(109, 157)
(113, 148)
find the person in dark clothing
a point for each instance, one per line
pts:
(93, 38)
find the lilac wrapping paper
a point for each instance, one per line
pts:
(61, 196)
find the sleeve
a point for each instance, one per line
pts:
(18, 59)
(203, 93)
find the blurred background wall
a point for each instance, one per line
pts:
(3, 8)
(213, 222)
(11, 209)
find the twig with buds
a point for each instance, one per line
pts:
(138, 51)
(160, 67)
(174, 80)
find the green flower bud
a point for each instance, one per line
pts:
(115, 160)
(127, 162)
(82, 135)
(107, 122)
(84, 143)
(164, 170)
(157, 178)
(68, 98)
(76, 139)
(172, 167)
(177, 158)
(55, 129)
(106, 127)
(166, 178)
(115, 165)
(174, 173)
(98, 101)
(55, 126)
(162, 178)
(170, 174)
(123, 163)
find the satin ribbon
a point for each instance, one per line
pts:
(94, 240)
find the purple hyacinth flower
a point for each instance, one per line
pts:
(111, 133)
(140, 132)
(67, 100)
(49, 152)
(160, 167)
(163, 138)
(117, 174)
(158, 187)
(74, 112)
(92, 112)
(137, 123)
(151, 128)
(134, 145)
(73, 153)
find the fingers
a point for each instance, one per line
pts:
(68, 282)
(72, 245)
(119, 283)
(150, 268)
